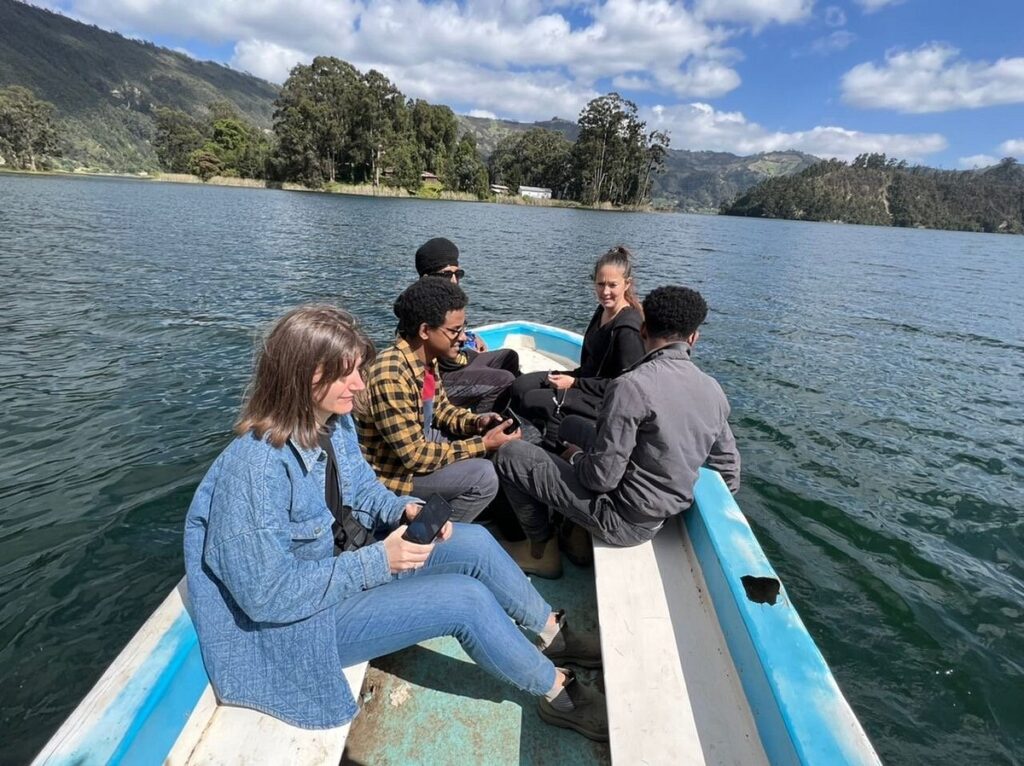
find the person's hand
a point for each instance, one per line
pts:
(560, 380)
(411, 510)
(480, 345)
(487, 421)
(494, 438)
(569, 451)
(404, 555)
(446, 531)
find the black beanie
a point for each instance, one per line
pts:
(435, 255)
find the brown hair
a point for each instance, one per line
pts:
(620, 257)
(279, 403)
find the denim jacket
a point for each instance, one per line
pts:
(262, 578)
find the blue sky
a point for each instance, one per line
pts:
(934, 81)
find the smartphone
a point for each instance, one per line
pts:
(429, 521)
(516, 423)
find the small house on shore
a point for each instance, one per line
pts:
(535, 192)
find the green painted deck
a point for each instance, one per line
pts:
(430, 704)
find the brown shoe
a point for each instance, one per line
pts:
(589, 715)
(576, 543)
(540, 559)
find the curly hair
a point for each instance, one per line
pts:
(674, 312)
(427, 301)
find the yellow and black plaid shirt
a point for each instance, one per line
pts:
(390, 420)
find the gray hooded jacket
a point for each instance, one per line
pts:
(659, 423)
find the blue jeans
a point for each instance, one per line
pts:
(468, 589)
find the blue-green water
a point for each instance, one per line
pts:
(876, 377)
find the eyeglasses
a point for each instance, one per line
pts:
(453, 332)
(458, 274)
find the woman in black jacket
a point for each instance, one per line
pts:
(611, 345)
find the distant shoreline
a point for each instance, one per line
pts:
(358, 190)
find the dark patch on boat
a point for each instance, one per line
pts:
(761, 590)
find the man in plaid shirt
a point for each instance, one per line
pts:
(417, 441)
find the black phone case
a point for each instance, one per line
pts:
(516, 422)
(429, 521)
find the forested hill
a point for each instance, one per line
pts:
(884, 192)
(106, 87)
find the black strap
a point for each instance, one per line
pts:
(349, 534)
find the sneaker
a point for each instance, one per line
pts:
(576, 543)
(588, 716)
(573, 648)
(540, 559)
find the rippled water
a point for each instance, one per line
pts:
(876, 376)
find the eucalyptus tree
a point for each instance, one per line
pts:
(313, 118)
(614, 158)
(28, 132)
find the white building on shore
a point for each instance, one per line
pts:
(536, 192)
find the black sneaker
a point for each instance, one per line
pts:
(583, 649)
(588, 716)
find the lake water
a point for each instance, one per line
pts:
(876, 377)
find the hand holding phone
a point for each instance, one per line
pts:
(429, 521)
(516, 423)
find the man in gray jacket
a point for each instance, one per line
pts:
(659, 423)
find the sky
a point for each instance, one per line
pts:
(936, 82)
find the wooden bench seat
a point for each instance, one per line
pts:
(672, 690)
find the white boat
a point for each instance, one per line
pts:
(729, 674)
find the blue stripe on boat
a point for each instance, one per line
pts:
(141, 725)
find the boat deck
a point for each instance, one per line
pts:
(673, 696)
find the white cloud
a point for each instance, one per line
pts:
(1012, 148)
(524, 96)
(757, 13)
(976, 161)
(267, 60)
(933, 79)
(700, 126)
(664, 41)
(483, 113)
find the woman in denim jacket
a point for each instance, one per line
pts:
(282, 603)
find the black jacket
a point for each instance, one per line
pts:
(608, 351)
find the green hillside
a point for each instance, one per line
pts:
(883, 192)
(702, 181)
(106, 87)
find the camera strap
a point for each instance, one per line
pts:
(349, 534)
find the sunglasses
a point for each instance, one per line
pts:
(458, 274)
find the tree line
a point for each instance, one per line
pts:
(335, 124)
(881, 191)
(613, 160)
